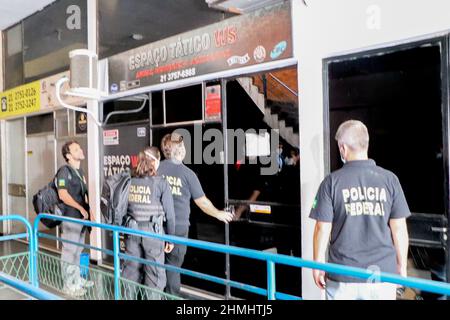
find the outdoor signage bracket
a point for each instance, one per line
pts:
(59, 85)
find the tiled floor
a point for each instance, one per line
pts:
(9, 248)
(8, 293)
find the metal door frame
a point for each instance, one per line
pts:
(7, 226)
(222, 77)
(443, 40)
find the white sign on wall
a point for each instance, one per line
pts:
(111, 137)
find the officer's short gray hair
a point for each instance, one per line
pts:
(353, 134)
(171, 145)
(177, 150)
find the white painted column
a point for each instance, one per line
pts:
(93, 138)
(311, 136)
(4, 181)
(1, 61)
(3, 198)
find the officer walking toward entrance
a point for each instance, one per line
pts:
(150, 203)
(360, 212)
(185, 185)
(72, 190)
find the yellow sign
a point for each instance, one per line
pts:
(260, 209)
(21, 100)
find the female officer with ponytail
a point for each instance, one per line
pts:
(150, 209)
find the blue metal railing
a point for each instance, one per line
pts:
(29, 235)
(29, 289)
(270, 259)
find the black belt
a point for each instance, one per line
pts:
(152, 220)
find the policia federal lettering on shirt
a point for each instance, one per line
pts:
(175, 184)
(140, 194)
(364, 201)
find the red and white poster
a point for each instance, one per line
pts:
(110, 137)
(213, 103)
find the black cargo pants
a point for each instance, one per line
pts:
(176, 258)
(146, 248)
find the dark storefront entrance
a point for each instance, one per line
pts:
(221, 86)
(401, 94)
(267, 206)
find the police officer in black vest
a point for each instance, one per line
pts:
(150, 209)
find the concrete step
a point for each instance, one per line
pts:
(288, 131)
(274, 122)
(253, 92)
(282, 127)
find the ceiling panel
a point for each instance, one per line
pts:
(241, 6)
(12, 11)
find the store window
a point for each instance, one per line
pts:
(157, 108)
(13, 50)
(177, 105)
(184, 104)
(129, 109)
(40, 124)
(50, 35)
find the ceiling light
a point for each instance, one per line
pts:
(137, 36)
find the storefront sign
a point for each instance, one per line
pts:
(213, 103)
(259, 37)
(21, 100)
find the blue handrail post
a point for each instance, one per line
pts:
(34, 249)
(33, 258)
(32, 262)
(271, 285)
(116, 265)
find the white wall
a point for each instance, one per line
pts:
(325, 28)
(1, 61)
(2, 226)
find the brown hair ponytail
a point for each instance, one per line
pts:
(147, 162)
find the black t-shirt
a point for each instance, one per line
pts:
(185, 185)
(74, 182)
(244, 179)
(359, 200)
